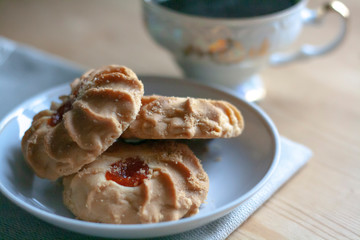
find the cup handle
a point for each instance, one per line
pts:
(312, 17)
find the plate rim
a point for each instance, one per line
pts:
(53, 218)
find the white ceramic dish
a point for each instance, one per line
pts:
(237, 167)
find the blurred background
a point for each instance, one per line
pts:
(92, 33)
(89, 32)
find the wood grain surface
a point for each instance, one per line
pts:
(315, 102)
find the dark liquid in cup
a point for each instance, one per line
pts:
(227, 8)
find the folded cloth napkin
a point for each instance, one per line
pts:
(42, 71)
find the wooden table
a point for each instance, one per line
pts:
(316, 103)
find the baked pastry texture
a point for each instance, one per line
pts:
(144, 183)
(163, 117)
(101, 105)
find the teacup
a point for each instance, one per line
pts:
(230, 47)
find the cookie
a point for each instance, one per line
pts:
(101, 106)
(145, 183)
(163, 117)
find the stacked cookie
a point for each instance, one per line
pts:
(83, 140)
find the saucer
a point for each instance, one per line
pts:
(237, 167)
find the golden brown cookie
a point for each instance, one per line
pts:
(145, 183)
(101, 106)
(163, 117)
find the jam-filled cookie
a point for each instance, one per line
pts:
(163, 117)
(144, 183)
(101, 106)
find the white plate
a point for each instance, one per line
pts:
(237, 167)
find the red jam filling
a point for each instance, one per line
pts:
(58, 116)
(130, 173)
